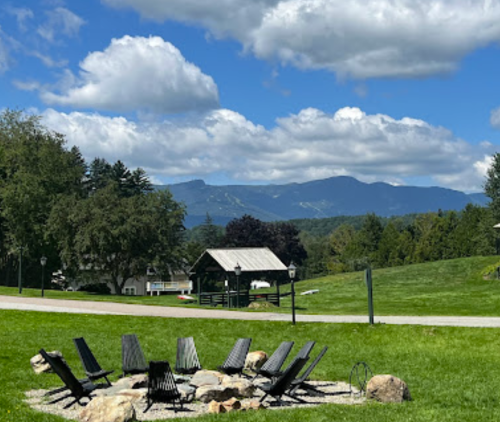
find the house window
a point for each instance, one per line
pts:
(129, 291)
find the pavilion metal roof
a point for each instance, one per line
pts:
(249, 259)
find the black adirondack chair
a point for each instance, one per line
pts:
(89, 362)
(133, 360)
(300, 382)
(235, 361)
(77, 389)
(272, 368)
(161, 386)
(187, 361)
(306, 349)
(280, 385)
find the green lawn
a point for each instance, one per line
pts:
(451, 372)
(453, 287)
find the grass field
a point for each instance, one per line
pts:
(452, 373)
(453, 287)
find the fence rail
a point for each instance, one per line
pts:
(214, 299)
(168, 286)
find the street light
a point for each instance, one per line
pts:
(43, 261)
(20, 284)
(237, 271)
(497, 239)
(291, 273)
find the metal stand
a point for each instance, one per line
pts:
(361, 378)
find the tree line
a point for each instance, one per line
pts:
(90, 219)
(102, 219)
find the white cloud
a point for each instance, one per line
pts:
(22, 14)
(306, 146)
(471, 179)
(355, 38)
(138, 73)
(495, 118)
(4, 55)
(60, 20)
(26, 85)
(47, 60)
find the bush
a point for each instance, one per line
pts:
(100, 288)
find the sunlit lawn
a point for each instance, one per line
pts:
(451, 372)
(453, 287)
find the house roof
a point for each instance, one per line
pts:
(249, 259)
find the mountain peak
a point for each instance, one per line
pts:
(335, 196)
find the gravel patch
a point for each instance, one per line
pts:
(328, 393)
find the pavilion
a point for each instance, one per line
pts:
(232, 266)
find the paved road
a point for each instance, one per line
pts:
(87, 307)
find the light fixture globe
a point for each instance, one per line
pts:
(43, 261)
(237, 269)
(291, 271)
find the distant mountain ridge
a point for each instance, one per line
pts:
(316, 199)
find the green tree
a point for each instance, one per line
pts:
(118, 236)
(492, 186)
(210, 234)
(339, 241)
(386, 255)
(467, 236)
(36, 170)
(318, 256)
(282, 238)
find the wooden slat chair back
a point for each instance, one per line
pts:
(133, 360)
(300, 381)
(161, 385)
(306, 349)
(235, 361)
(187, 361)
(89, 362)
(281, 384)
(76, 388)
(273, 365)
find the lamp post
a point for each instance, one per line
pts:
(20, 284)
(43, 261)
(291, 273)
(497, 239)
(237, 271)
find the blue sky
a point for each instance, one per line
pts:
(268, 91)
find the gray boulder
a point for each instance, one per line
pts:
(40, 366)
(108, 409)
(255, 360)
(205, 377)
(207, 393)
(187, 392)
(387, 389)
(244, 387)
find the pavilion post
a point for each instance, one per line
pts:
(199, 289)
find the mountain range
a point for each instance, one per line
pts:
(330, 197)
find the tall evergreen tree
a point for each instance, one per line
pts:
(211, 235)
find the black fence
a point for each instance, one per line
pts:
(223, 299)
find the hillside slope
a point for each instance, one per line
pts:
(451, 287)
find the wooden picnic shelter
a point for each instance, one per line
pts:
(235, 268)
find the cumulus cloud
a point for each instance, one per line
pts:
(495, 118)
(471, 178)
(60, 20)
(305, 146)
(138, 73)
(356, 38)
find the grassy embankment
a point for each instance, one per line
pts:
(453, 287)
(451, 372)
